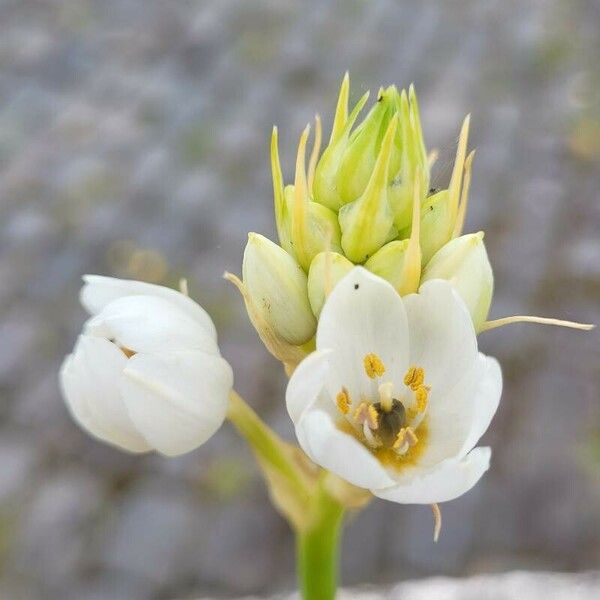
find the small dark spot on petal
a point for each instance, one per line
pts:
(356, 286)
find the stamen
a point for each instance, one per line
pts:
(343, 401)
(127, 352)
(385, 396)
(371, 440)
(414, 378)
(366, 413)
(405, 436)
(421, 395)
(437, 521)
(539, 320)
(374, 366)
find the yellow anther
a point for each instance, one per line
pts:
(374, 366)
(421, 395)
(400, 439)
(343, 401)
(405, 435)
(411, 436)
(366, 413)
(127, 352)
(414, 378)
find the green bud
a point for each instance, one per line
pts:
(437, 223)
(325, 185)
(464, 262)
(410, 148)
(277, 288)
(367, 223)
(326, 269)
(363, 148)
(312, 227)
(389, 262)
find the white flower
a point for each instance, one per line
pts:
(396, 395)
(146, 373)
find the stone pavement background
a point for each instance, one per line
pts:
(134, 142)
(509, 586)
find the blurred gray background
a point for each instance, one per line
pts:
(134, 142)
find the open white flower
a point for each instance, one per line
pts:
(396, 395)
(146, 373)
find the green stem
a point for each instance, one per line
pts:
(303, 495)
(263, 440)
(271, 451)
(317, 550)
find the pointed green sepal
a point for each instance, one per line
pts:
(413, 158)
(367, 223)
(363, 148)
(325, 182)
(314, 227)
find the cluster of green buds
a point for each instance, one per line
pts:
(365, 200)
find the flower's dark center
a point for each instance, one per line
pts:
(390, 420)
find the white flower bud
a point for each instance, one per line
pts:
(326, 269)
(277, 287)
(464, 262)
(146, 373)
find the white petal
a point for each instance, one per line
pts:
(457, 418)
(89, 382)
(339, 452)
(306, 383)
(449, 417)
(99, 291)
(447, 481)
(442, 337)
(150, 324)
(75, 399)
(363, 314)
(177, 399)
(484, 402)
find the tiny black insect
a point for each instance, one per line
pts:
(356, 286)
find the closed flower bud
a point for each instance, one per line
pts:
(363, 148)
(146, 373)
(411, 158)
(437, 223)
(464, 263)
(277, 287)
(367, 223)
(325, 186)
(304, 227)
(326, 269)
(390, 264)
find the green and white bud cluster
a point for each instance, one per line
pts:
(366, 199)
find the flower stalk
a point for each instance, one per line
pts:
(310, 499)
(317, 550)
